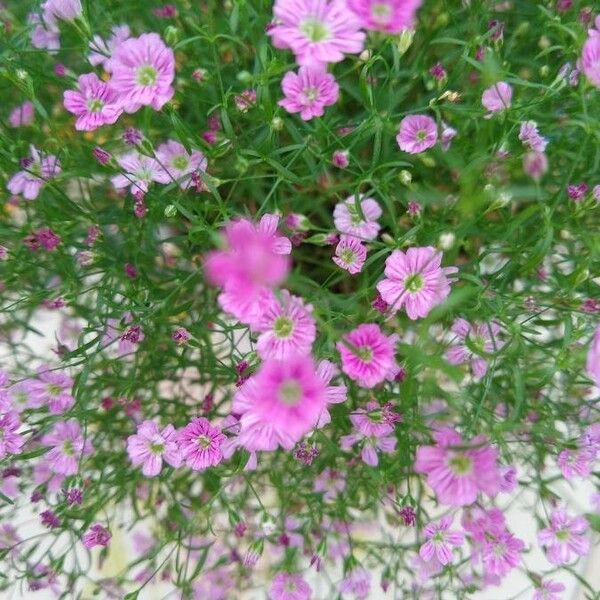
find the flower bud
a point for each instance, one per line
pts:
(170, 211)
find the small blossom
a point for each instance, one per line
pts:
(535, 164)
(497, 98)
(340, 159)
(49, 519)
(440, 541)
(358, 220)
(245, 100)
(180, 336)
(22, 115)
(68, 446)
(101, 155)
(150, 445)
(96, 535)
(200, 444)
(181, 164)
(350, 254)
(549, 590)
(576, 191)
(308, 92)
(417, 134)
(11, 442)
(357, 582)
(289, 586)
(40, 168)
(139, 172)
(565, 539)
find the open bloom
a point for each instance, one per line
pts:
(287, 327)
(280, 403)
(101, 51)
(501, 552)
(22, 115)
(530, 136)
(11, 441)
(96, 535)
(549, 590)
(51, 388)
(308, 92)
(497, 97)
(253, 261)
(458, 470)
(370, 444)
(391, 16)
(565, 539)
(139, 172)
(316, 31)
(368, 355)
(440, 540)
(417, 134)
(95, 103)
(357, 582)
(200, 444)
(289, 586)
(590, 60)
(350, 254)
(181, 164)
(335, 394)
(415, 280)
(68, 446)
(359, 220)
(66, 10)
(39, 168)
(143, 69)
(151, 445)
(45, 33)
(593, 359)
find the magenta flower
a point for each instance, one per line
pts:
(308, 92)
(180, 164)
(22, 115)
(289, 586)
(360, 220)
(350, 254)
(39, 168)
(371, 420)
(66, 10)
(253, 262)
(51, 388)
(286, 327)
(590, 60)
(96, 535)
(150, 445)
(101, 50)
(440, 540)
(139, 172)
(576, 463)
(335, 394)
(501, 553)
(357, 582)
(497, 97)
(368, 355)
(390, 16)
(95, 104)
(340, 159)
(68, 447)
(316, 31)
(531, 138)
(472, 343)
(280, 403)
(415, 280)
(549, 590)
(417, 134)
(593, 359)
(143, 69)
(11, 442)
(565, 539)
(200, 444)
(458, 470)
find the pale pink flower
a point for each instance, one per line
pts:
(565, 539)
(531, 138)
(330, 481)
(96, 535)
(180, 164)
(358, 220)
(280, 403)
(45, 34)
(440, 541)
(425, 569)
(371, 420)
(593, 359)
(150, 445)
(53, 389)
(66, 10)
(308, 92)
(200, 444)
(575, 463)
(415, 280)
(316, 31)
(335, 394)
(216, 584)
(549, 590)
(357, 582)
(447, 135)
(391, 16)
(369, 444)
(95, 103)
(535, 164)
(40, 168)
(368, 355)
(11, 441)
(350, 254)
(68, 446)
(101, 50)
(289, 586)
(287, 327)
(139, 171)
(457, 470)
(22, 115)
(501, 553)
(497, 98)
(417, 134)
(590, 60)
(143, 70)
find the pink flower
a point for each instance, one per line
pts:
(66, 10)
(316, 31)
(149, 446)
(216, 584)
(96, 535)
(22, 115)
(391, 16)
(565, 539)
(575, 463)
(330, 481)
(289, 586)
(530, 136)
(11, 442)
(371, 420)
(417, 134)
(51, 388)
(40, 168)
(440, 541)
(45, 34)
(180, 164)
(458, 470)
(200, 444)
(497, 97)
(549, 590)
(415, 280)
(357, 582)
(590, 60)
(308, 92)
(335, 394)
(280, 403)
(350, 254)
(68, 447)
(245, 100)
(359, 220)
(368, 355)
(370, 444)
(593, 359)
(101, 51)
(286, 327)
(340, 159)
(95, 103)
(501, 553)
(143, 69)
(139, 172)
(253, 262)
(448, 134)
(535, 164)
(472, 343)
